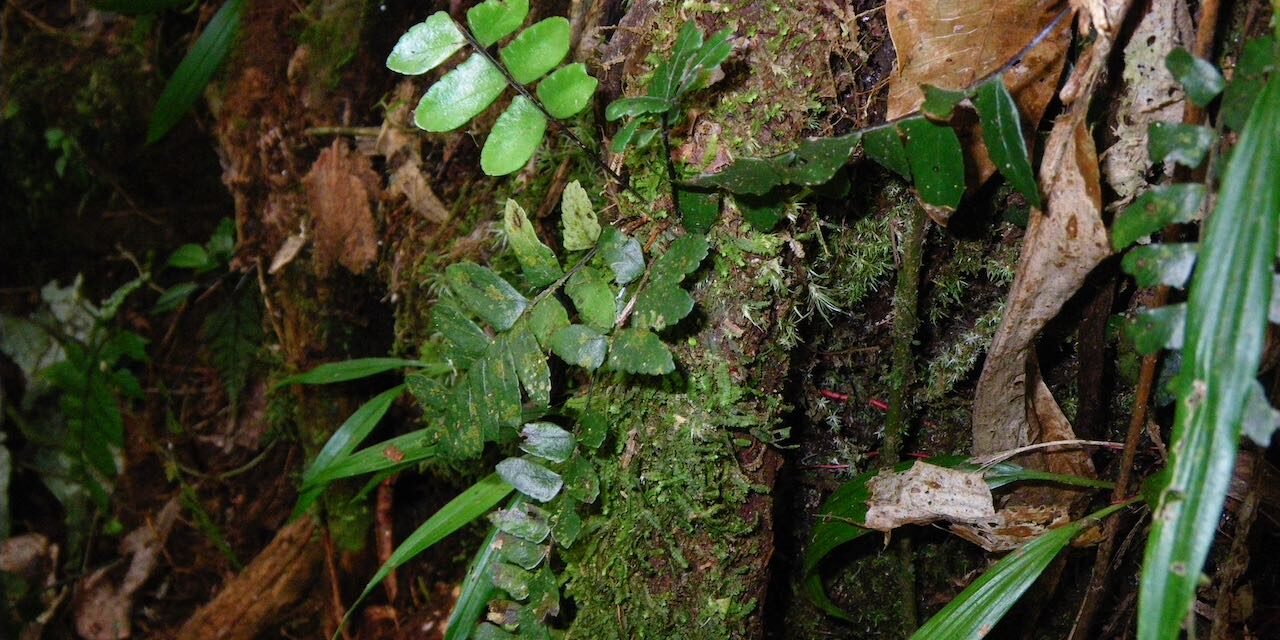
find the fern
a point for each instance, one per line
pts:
(472, 86)
(233, 332)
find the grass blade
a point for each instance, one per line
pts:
(196, 69)
(974, 612)
(477, 587)
(344, 441)
(1225, 332)
(348, 370)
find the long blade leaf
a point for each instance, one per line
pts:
(348, 370)
(344, 441)
(1226, 329)
(196, 69)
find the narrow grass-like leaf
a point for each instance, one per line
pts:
(347, 370)
(1002, 133)
(346, 439)
(196, 69)
(477, 589)
(1183, 144)
(400, 451)
(486, 294)
(666, 77)
(1005, 473)
(493, 20)
(936, 161)
(639, 105)
(514, 138)
(1161, 264)
(1226, 328)
(1154, 210)
(425, 45)
(460, 95)
(567, 91)
(1198, 76)
(537, 50)
(703, 64)
(462, 510)
(977, 609)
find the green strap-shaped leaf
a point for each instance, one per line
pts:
(580, 345)
(1183, 144)
(1160, 328)
(477, 589)
(593, 298)
(196, 69)
(937, 162)
(531, 479)
(398, 452)
(681, 259)
(1155, 210)
(703, 64)
(547, 441)
(531, 365)
(459, 512)
(660, 306)
(460, 95)
(940, 103)
(343, 441)
(666, 78)
(578, 218)
(637, 106)
(1161, 264)
(623, 254)
(514, 138)
(1002, 133)
(493, 20)
(639, 351)
(1226, 329)
(884, 145)
(425, 45)
(978, 608)
(486, 294)
(567, 91)
(333, 372)
(1199, 77)
(537, 50)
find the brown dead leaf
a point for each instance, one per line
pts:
(1012, 527)
(953, 45)
(102, 608)
(402, 148)
(926, 493)
(339, 187)
(1061, 247)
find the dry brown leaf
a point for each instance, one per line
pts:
(1012, 527)
(339, 187)
(402, 148)
(926, 493)
(1061, 247)
(951, 45)
(103, 609)
(1150, 94)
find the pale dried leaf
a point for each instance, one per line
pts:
(287, 252)
(339, 188)
(1150, 94)
(1061, 247)
(927, 493)
(103, 609)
